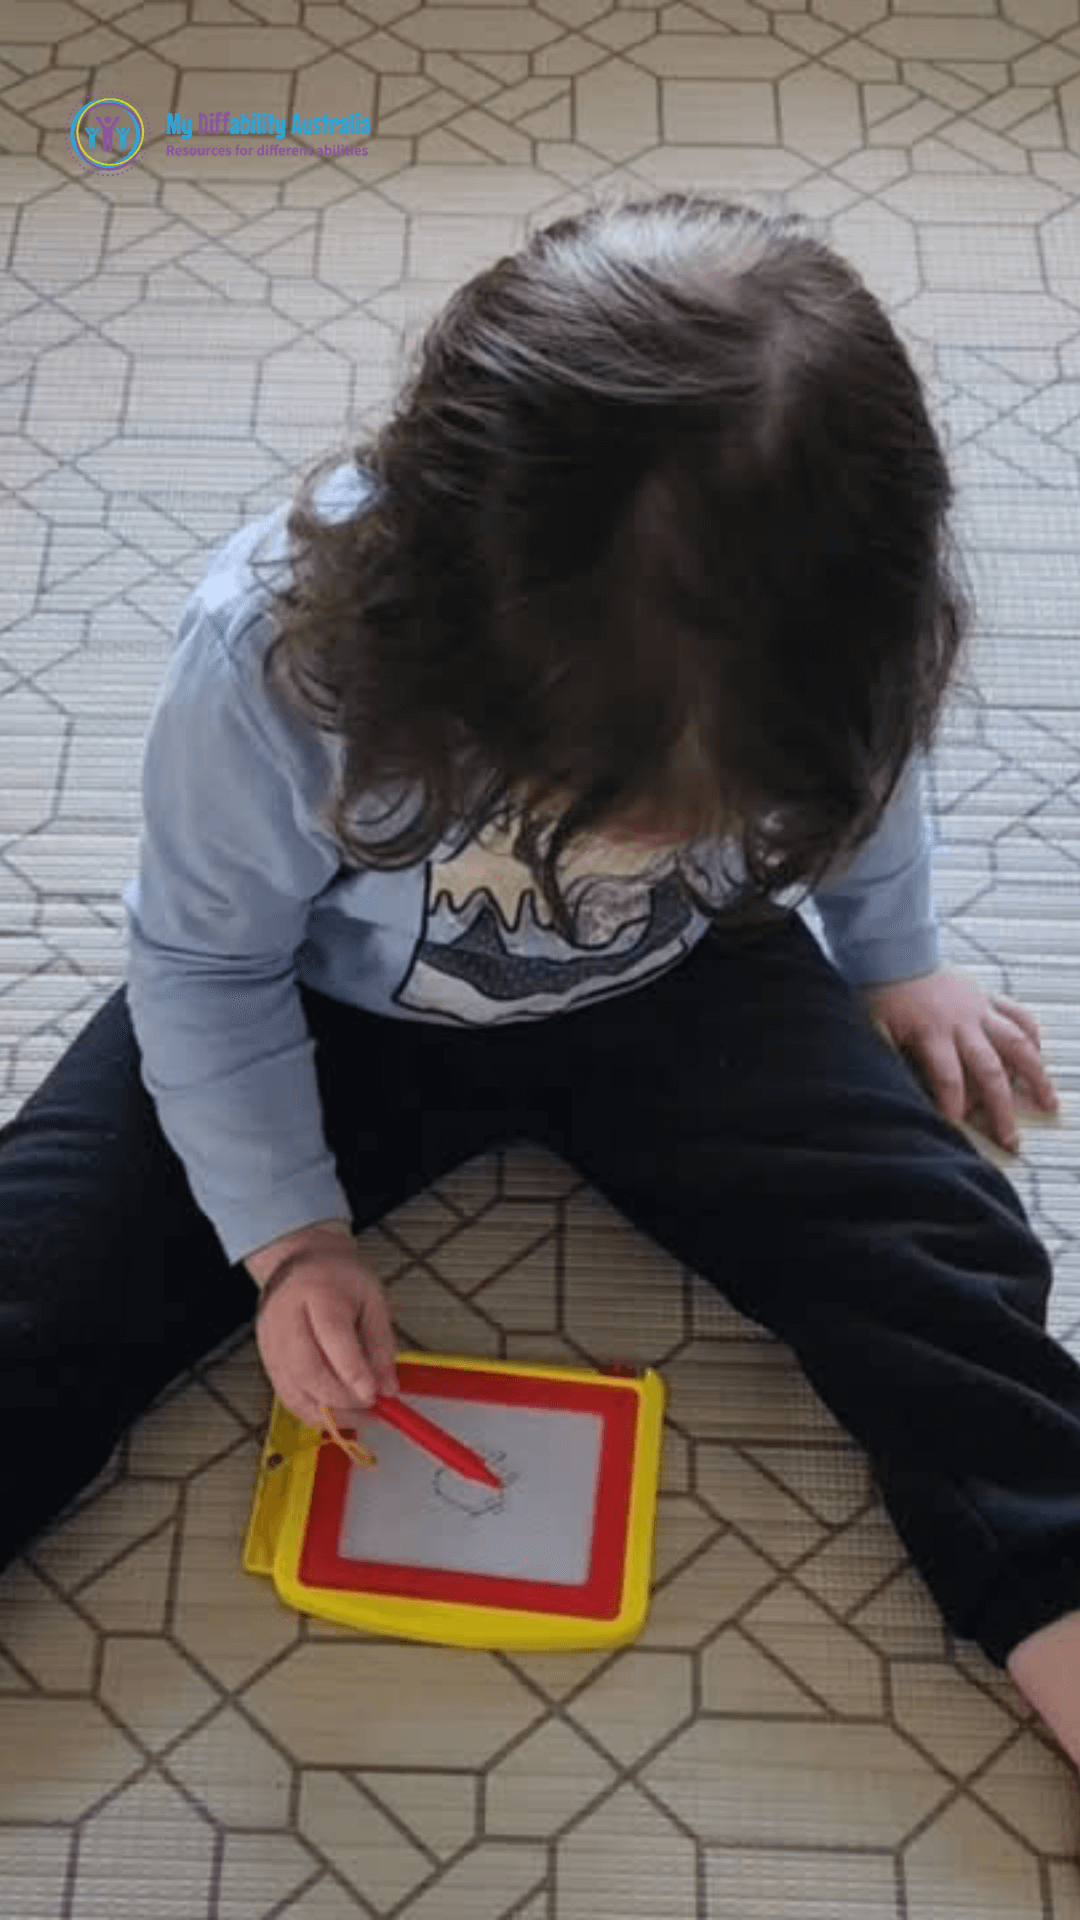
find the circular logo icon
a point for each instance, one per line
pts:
(107, 133)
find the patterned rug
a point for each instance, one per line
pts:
(794, 1736)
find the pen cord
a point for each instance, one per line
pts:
(360, 1456)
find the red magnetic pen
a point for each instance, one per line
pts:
(434, 1440)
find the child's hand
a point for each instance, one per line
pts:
(969, 1049)
(308, 1339)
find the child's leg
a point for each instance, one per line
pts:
(745, 1113)
(1046, 1668)
(112, 1280)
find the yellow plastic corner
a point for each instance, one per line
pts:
(274, 1487)
(279, 1518)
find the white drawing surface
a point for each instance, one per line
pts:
(412, 1511)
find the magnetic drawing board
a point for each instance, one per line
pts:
(414, 1512)
(560, 1556)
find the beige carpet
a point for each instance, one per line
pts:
(794, 1737)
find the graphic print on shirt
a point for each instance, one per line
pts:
(488, 951)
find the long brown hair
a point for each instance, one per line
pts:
(658, 530)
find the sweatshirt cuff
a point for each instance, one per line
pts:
(293, 1205)
(878, 963)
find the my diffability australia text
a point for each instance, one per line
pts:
(269, 126)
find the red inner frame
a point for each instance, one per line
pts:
(598, 1598)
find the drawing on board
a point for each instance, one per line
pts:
(538, 1527)
(470, 1497)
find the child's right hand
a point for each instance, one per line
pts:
(307, 1335)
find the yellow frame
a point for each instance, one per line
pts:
(278, 1520)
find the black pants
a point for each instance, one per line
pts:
(742, 1110)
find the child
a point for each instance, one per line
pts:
(480, 810)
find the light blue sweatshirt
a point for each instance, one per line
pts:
(241, 893)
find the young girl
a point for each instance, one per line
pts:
(478, 798)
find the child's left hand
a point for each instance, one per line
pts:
(971, 1050)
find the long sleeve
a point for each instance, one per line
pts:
(877, 912)
(230, 861)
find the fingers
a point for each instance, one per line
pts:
(310, 1395)
(312, 1349)
(988, 1076)
(1022, 1053)
(332, 1324)
(1025, 1021)
(985, 1065)
(305, 1378)
(377, 1333)
(942, 1068)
